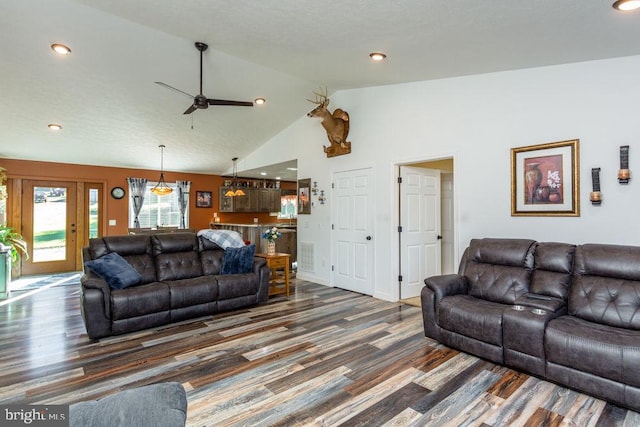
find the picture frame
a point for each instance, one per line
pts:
(545, 179)
(204, 199)
(304, 196)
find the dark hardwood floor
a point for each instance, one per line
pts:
(323, 357)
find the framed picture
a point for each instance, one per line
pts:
(203, 199)
(304, 196)
(545, 179)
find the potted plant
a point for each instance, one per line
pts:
(13, 243)
(12, 246)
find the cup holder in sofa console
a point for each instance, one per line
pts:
(539, 311)
(518, 307)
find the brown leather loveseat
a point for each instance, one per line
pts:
(566, 313)
(179, 279)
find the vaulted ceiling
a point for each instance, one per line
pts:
(113, 114)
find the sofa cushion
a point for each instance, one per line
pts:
(472, 317)
(114, 270)
(140, 300)
(606, 285)
(237, 285)
(553, 268)
(238, 260)
(614, 261)
(178, 265)
(123, 245)
(499, 270)
(156, 405)
(195, 291)
(166, 243)
(145, 265)
(211, 261)
(605, 351)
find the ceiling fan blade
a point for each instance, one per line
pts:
(173, 88)
(191, 109)
(232, 103)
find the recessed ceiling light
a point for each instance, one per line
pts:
(259, 101)
(263, 173)
(54, 126)
(377, 56)
(278, 178)
(61, 49)
(292, 169)
(626, 5)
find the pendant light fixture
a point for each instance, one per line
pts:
(161, 188)
(234, 190)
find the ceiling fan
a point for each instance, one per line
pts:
(200, 101)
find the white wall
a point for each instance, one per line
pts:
(477, 119)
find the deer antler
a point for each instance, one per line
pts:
(324, 101)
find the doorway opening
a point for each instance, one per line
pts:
(426, 232)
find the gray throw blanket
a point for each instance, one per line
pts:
(223, 238)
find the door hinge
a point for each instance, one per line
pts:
(399, 229)
(399, 277)
(332, 226)
(399, 180)
(332, 267)
(332, 186)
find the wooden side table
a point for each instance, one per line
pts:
(277, 261)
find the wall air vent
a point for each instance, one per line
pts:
(306, 257)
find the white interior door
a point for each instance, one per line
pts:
(353, 240)
(420, 244)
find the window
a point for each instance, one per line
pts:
(93, 210)
(159, 211)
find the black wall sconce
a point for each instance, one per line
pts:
(595, 196)
(624, 174)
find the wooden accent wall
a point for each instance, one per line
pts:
(110, 177)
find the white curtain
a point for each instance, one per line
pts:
(137, 187)
(183, 200)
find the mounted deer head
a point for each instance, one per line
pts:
(336, 124)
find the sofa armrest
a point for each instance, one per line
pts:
(264, 276)
(543, 302)
(435, 289)
(95, 305)
(446, 285)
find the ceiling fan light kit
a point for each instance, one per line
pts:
(200, 101)
(161, 188)
(377, 56)
(54, 126)
(626, 5)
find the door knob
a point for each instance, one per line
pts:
(439, 237)
(368, 237)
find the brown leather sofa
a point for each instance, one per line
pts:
(569, 314)
(180, 280)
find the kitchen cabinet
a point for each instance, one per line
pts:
(254, 200)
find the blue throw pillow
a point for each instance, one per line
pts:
(114, 270)
(238, 260)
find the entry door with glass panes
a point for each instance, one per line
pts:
(49, 226)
